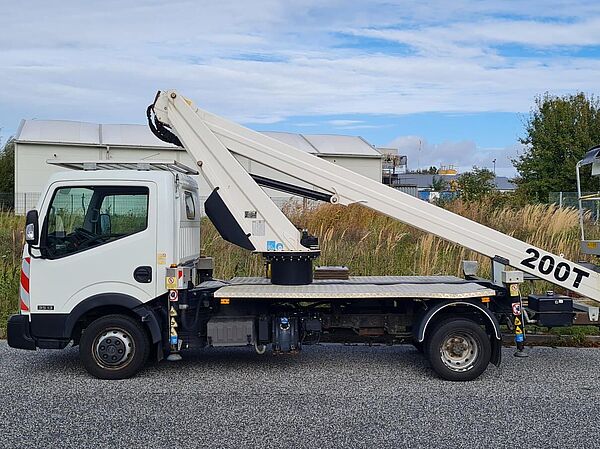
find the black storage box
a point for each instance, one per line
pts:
(552, 310)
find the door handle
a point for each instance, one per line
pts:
(143, 274)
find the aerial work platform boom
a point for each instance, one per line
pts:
(250, 219)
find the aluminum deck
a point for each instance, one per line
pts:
(357, 287)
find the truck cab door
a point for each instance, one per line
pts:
(96, 238)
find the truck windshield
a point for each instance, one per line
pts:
(84, 217)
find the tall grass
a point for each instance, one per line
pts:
(370, 243)
(365, 241)
(11, 247)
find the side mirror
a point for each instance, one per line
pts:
(32, 228)
(105, 224)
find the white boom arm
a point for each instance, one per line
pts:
(211, 140)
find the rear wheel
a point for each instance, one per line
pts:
(458, 349)
(114, 347)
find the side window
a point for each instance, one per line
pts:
(190, 207)
(123, 214)
(84, 217)
(68, 209)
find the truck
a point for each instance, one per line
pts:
(112, 263)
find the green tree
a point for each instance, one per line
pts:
(558, 133)
(475, 184)
(438, 184)
(7, 167)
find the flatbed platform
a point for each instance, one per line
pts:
(357, 287)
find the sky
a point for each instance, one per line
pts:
(445, 82)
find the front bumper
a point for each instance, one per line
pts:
(19, 333)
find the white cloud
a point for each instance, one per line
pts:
(463, 155)
(472, 39)
(265, 61)
(343, 123)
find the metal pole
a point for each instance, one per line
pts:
(560, 199)
(579, 199)
(419, 157)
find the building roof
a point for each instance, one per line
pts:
(334, 145)
(421, 180)
(424, 181)
(58, 131)
(295, 140)
(503, 183)
(95, 134)
(82, 133)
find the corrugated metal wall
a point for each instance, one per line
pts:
(411, 190)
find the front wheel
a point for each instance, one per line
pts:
(114, 347)
(459, 350)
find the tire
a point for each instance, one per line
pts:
(114, 347)
(458, 349)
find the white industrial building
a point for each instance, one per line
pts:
(39, 140)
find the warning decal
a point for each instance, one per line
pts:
(171, 282)
(516, 308)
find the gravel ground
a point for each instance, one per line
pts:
(328, 396)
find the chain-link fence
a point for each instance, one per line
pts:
(282, 202)
(20, 203)
(570, 199)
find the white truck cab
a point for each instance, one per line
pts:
(106, 236)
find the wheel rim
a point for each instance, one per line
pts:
(459, 351)
(113, 348)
